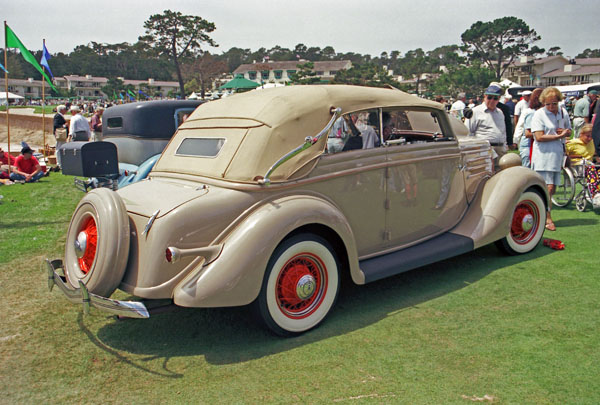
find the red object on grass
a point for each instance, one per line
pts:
(554, 244)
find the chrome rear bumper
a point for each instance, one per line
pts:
(129, 309)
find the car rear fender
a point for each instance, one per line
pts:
(490, 214)
(236, 276)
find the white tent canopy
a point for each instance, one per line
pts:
(193, 96)
(11, 96)
(270, 85)
(508, 83)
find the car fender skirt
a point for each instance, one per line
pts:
(236, 276)
(434, 250)
(489, 215)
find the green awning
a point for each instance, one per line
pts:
(239, 83)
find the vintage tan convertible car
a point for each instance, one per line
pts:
(268, 197)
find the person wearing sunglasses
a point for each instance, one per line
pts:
(550, 126)
(488, 122)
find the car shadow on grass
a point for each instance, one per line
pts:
(576, 222)
(232, 335)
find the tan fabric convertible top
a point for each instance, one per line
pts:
(262, 126)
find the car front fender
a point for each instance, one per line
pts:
(236, 276)
(490, 214)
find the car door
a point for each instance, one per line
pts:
(353, 178)
(425, 192)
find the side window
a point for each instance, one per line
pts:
(357, 130)
(181, 115)
(114, 122)
(405, 126)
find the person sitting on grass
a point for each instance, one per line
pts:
(26, 168)
(5, 159)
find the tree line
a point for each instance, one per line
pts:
(172, 49)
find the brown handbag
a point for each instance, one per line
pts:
(61, 134)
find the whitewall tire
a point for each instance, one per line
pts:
(527, 225)
(300, 285)
(97, 245)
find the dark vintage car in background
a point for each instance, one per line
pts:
(140, 131)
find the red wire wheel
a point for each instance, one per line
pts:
(89, 232)
(527, 225)
(300, 285)
(525, 222)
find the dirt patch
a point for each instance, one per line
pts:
(34, 137)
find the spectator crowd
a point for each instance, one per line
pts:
(548, 131)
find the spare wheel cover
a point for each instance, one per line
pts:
(97, 245)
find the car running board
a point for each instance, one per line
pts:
(434, 250)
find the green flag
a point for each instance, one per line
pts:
(131, 93)
(13, 42)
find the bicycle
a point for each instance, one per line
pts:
(564, 194)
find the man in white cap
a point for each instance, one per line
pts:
(488, 122)
(522, 105)
(79, 129)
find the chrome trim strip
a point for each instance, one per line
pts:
(129, 309)
(308, 142)
(480, 174)
(150, 222)
(477, 159)
(476, 167)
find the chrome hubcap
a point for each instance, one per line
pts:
(80, 244)
(306, 286)
(527, 222)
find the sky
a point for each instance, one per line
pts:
(366, 27)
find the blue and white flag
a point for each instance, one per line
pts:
(2, 67)
(44, 61)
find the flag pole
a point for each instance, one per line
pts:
(44, 103)
(6, 84)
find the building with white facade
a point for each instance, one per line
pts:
(153, 88)
(28, 88)
(553, 71)
(88, 86)
(578, 71)
(281, 72)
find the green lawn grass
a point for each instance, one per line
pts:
(49, 108)
(482, 325)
